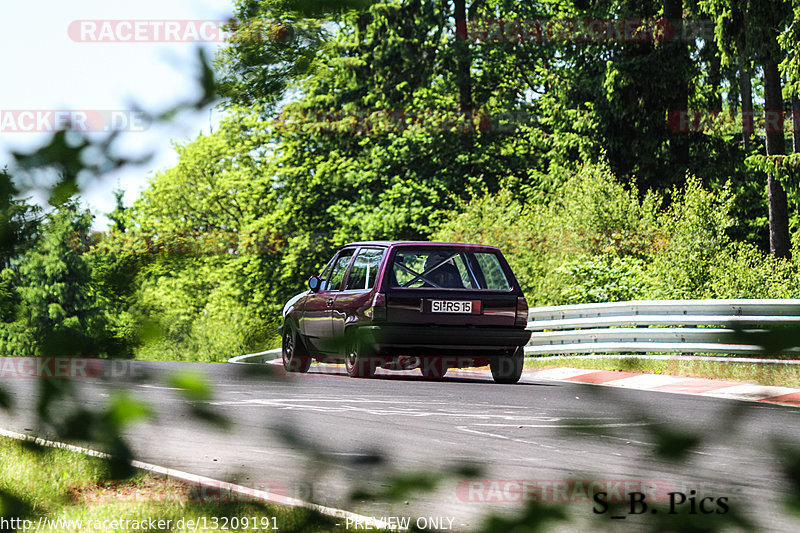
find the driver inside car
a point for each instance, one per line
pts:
(446, 275)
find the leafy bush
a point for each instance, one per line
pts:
(695, 227)
(603, 278)
(595, 240)
(599, 215)
(591, 214)
(741, 270)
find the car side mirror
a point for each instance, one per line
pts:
(314, 283)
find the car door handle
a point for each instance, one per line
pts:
(329, 303)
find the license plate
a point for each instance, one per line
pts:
(451, 306)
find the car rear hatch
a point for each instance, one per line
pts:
(450, 286)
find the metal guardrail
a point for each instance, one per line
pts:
(658, 326)
(654, 326)
(260, 357)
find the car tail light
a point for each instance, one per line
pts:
(522, 312)
(379, 307)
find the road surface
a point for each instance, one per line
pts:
(319, 436)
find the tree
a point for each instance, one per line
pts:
(463, 60)
(19, 222)
(779, 240)
(747, 32)
(57, 304)
(204, 246)
(679, 69)
(274, 44)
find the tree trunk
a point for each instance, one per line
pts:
(779, 242)
(463, 60)
(795, 124)
(796, 130)
(715, 77)
(746, 87)
(679, 143)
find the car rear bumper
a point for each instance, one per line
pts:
(444, 340)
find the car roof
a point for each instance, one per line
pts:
(393, 244)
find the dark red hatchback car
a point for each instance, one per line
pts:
(405, 305)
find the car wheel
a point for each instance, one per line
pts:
(294, 360)
(434, 368)
(356, 362)
(508, 370)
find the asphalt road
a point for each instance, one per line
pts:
(318, 437)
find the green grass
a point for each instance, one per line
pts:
(762, 373)
(38, 483)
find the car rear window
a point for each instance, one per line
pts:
(447, 269)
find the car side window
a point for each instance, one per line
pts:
(365, 269)
(492, 273)
(339, 268)
(325, 275)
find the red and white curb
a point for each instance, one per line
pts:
(734, 390)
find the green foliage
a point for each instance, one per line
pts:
(591, 217)
(16, 339)
(595, 240)
(600, 215)
(603, 278)
(695, 225)
(274, 43)
(200, 252)
(742, 271)
(782, 167)
(19, 222)
(58, 307)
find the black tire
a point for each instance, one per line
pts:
(433, 368)
(357, 362)
(293, 352)
(508, 370)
